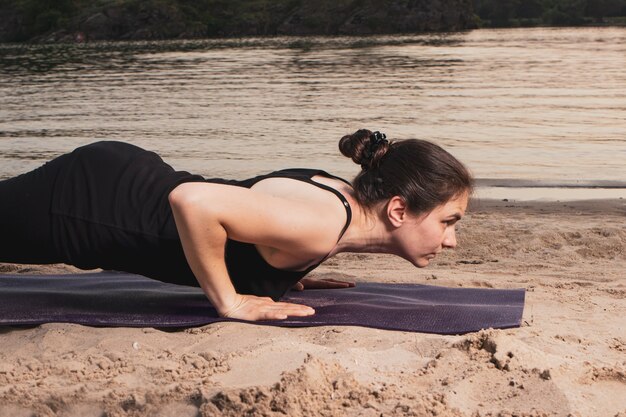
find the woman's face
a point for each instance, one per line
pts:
(419, 238)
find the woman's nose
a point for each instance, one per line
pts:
(449, 240)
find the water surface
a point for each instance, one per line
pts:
(514, 104)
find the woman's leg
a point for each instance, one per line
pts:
(25, 219)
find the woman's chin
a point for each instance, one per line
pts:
(422, 262)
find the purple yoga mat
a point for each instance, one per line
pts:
(120, 299)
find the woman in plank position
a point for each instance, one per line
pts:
(113, 205)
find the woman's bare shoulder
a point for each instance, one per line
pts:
(290, 217)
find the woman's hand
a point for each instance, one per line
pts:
(250, 307)
(321, 284)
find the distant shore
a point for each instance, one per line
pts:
(39, 21)
(80, 21)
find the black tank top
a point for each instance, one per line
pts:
(111, 211)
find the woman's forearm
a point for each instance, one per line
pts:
(204, 239)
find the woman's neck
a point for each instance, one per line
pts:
(367, 232)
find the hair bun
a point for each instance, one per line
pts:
(364, 147)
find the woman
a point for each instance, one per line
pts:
(113, 205)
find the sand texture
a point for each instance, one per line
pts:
(568, 358)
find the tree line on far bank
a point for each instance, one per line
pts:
(62, 20)
(511, 13)
(23, 20)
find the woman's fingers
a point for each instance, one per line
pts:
(325, 283)
(250, 307)
(345, 283)
(289, 309)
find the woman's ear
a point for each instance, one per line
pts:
(396, 211)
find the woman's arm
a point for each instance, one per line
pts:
(207, 214)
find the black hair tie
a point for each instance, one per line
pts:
(376, 140)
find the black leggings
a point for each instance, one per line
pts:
(25, 218)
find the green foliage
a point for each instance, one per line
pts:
(47, 20)
(547, 12)
(41, 16)
(221, 16)
(498, 12)
(605, 8)
(529, 9)
(565, 12)
(38, 18)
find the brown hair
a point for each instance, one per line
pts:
(420, 172)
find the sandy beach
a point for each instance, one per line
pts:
(568, 358)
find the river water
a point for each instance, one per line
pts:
(521, 107)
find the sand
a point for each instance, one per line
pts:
(568, 358)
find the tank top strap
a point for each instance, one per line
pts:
(306, 175)
(343, 199)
